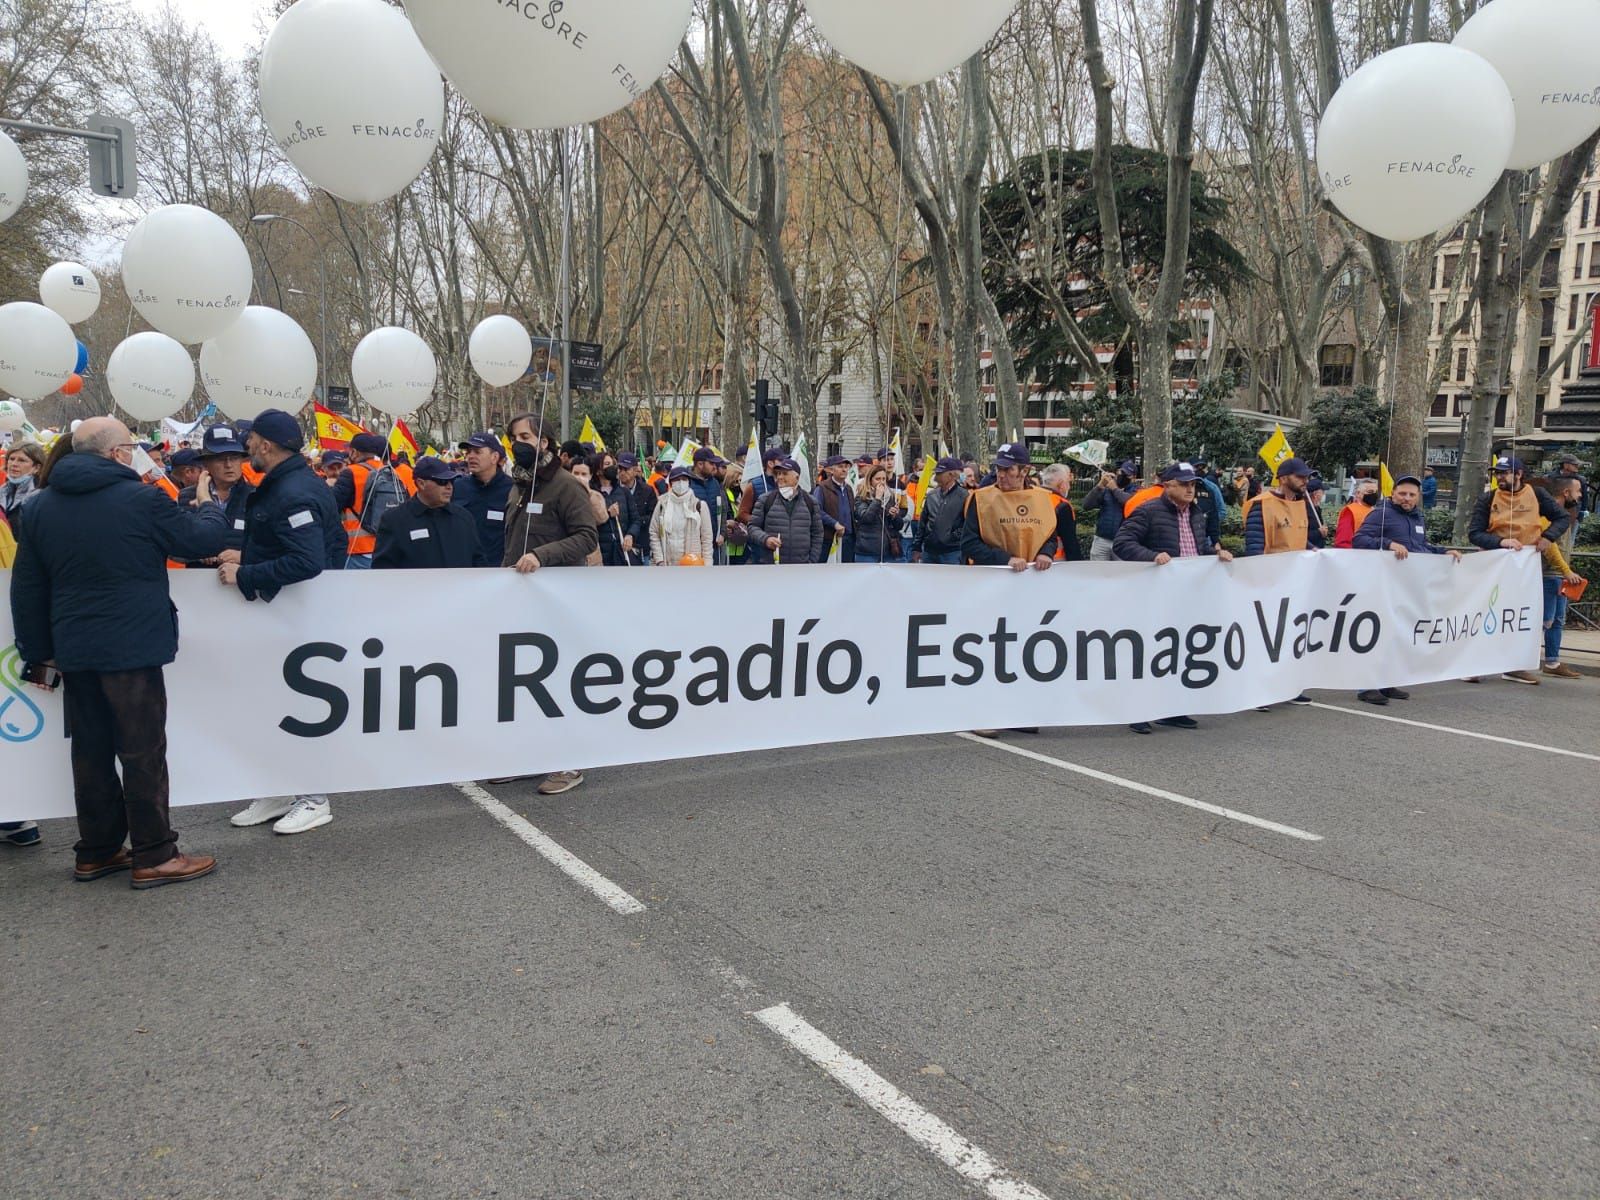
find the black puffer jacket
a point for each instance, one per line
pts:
(798, 522)
(1152, 529)
(89, 589)
(292, 531)
(876, 528)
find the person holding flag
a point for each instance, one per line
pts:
(837, 505)
(787, 523)
(943, 520)
(705, 481)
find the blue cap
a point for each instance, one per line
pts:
(1129, 467)
(1294, 466)
(707, 454)
(279, 428)
(1013, 454)
(1506, 463)
(364, 443)
(950, 463)
(335, 458)
(627, 460)
(221, 439)
(483, 441)
(1179, 472)
(435, 469)
(679, 473)
(836, 460)
(1411, 479)
(184, 458)
(786, 464)
(1316, 484)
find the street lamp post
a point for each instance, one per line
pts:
(322, 268)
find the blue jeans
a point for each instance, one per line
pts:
(949, 558)
(1555, 618)
(358, 562)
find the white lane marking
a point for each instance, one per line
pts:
(557, 855)
(1482, 737)
(1146, 789)
(889, 1102)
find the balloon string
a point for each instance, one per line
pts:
(897, 248)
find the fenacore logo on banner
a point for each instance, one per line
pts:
(1423, 167)
(1488, 622)
(548, 16)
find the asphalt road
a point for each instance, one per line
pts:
(1070, 987)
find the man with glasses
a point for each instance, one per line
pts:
(1511, 516)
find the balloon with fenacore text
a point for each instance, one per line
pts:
(1545, 51)
(351, 97)
(12, 418)
(394, 371)
(13, 177)
(37, 350)
(909, 41)
(187, 272)
(1414, 140)
(151, 376)
(548, 64)
(263, 360)
(501, 350)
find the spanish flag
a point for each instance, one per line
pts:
(333, 431)
(1276, 450)
(401, 442)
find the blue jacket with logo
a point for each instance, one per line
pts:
(1387, 524)
(486, 503)
(292, 531)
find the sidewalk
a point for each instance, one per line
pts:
(1580, 650)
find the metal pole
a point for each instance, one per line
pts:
(92, 135)
(322, 271)
(566, 291)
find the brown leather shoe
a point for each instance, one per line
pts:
(89, 872)
(178, 869)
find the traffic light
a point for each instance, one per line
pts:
(765, 412)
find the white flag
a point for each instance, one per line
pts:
(753, 467)
(1092, 453)
(803, 461)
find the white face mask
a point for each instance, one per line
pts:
(680, 488)
(788, 492)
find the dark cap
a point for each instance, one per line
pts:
(707, 454)
(1506, 463)
(221, 439)
(367, 443)
(435, 469)
(335, 458)
(184, 458)
(866, 460)
(627, 460)
(786, 464)
(1569, 460)
(1315, 483)
(1412, 479)
(884, 452)
(1013, 454)
(483, 441)
(1294, 466)
(836, 460)
(679, 473)
(1179, 472)
(742, 452)
(1129, 467)
(950, 463)
(278, 427)
(771, 455)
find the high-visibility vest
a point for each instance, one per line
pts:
(1285, 524)
(360, 542)
(1343, 535)
(1057, 499)
(1141, 497)
(252, 476)
(171, 489)
(1516, 515)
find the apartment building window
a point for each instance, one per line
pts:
(1448, 275)
(1584, 219)
(1572, 313)
(1594, 261)
(835, 425)
(1551, 271)
(1547, 318)
(1338, 365)
(836, 394)
(1577, 261)
(1440, 407)
(1538, 409)
(836, 367)
(1461, 364)
(1500, 414)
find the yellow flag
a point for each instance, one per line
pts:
(430, 452)
(1276, 450)
(1385, 480)
(506, 442)
(591, 435)
(924, 482)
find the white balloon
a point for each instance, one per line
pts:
(1414, 139)
(151, 376)
(501, 350)
(547, 64)
(187, 272)
(13, 177)
(394, 371)
(70, 289)
(1545, 51)
(909, 41)
(263, 360)
(12, 418)
(37, 350)
(351, 97)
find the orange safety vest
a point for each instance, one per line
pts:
(171, 489)
(360, 543)
(1358, 514)
(1058, 500)
(1516, 515)
(252, 476)
(1284, 523)
(1020, 523)
(1141, 497)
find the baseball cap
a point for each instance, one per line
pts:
(184, 458)
(1506, 463)
(1129, 467)
(482, 441)
(786, 464)
(436, 469)
(1292, 466)
(627, 460)
(221, 439)
(679, 473)
(1013, 454)
(335, 458)
(950, 463)
(362, 443)
(836, 460)
(707, 454)
(279, 428)
(1412, 479)
(1179, 472)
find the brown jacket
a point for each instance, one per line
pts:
(556, 522)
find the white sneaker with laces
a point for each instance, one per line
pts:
(269, 808)
(309, 812)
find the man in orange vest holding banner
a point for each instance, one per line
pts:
(1281, 521)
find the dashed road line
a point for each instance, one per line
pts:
(553, 852)
(900, 1110)
(1134, 785)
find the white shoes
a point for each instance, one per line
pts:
(309, 812)
(262, 811)
(293, 814)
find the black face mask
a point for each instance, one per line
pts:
(610, 474)
(525, 454)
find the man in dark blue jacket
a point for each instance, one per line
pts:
(292, 534)
(706, 484)
(484, 492)
(222, 482)
(428, 531)
(89, 595)
(1108, 498)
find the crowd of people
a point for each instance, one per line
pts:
(95, 540)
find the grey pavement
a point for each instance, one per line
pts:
(1111, 994)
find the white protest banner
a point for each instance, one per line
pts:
(368, 680)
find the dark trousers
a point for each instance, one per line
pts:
(847, 547)
(120, 717)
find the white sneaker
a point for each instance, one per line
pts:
(261, 811)
(309, 812)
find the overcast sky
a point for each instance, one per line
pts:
(231, 23)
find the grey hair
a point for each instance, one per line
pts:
(99, 440)
(1054, 474)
